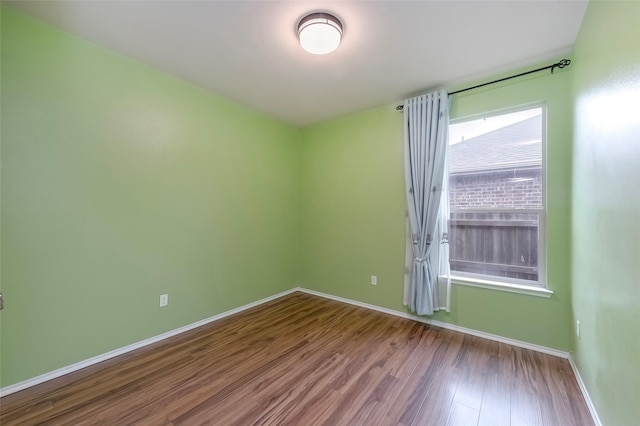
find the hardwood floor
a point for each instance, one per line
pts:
(305, 360)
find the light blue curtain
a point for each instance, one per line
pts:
(426, 129)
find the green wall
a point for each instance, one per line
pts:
(353, 213)
(606, 208)
(120, 183)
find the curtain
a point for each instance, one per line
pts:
(426, 129)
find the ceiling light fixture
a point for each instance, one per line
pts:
(319, 33)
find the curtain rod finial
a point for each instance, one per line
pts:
(563, 63)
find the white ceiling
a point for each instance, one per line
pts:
(248, 50)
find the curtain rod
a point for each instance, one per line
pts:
(563, 63)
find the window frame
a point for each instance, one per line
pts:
(540, 288)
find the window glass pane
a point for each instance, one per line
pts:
(495, 164)
(495, 244)
(500, 168)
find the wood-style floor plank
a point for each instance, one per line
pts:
(495, 409)
(305, 360)
(461, 415)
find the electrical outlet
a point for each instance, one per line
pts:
(578, 328)
(374, 280)
(164, 300)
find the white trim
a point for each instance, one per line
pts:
(365, 305)
(585, 393)
(502, 286)
(501, 339)
(116, 352)
(482, 334)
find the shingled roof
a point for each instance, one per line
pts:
(516, 145)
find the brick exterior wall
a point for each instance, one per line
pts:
(512, 188)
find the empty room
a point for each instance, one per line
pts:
(320, 213)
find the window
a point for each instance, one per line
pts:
(497, 198)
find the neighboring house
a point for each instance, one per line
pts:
(492, 176)
(501, 168)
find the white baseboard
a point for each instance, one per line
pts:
(489, 336)
(364, 305)
(116, 352)
(501, 339)
(585, 393)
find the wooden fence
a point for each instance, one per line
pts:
(497, 244)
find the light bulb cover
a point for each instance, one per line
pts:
(320, 33)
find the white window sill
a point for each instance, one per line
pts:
(494, 285)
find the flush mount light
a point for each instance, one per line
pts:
(319, 33)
